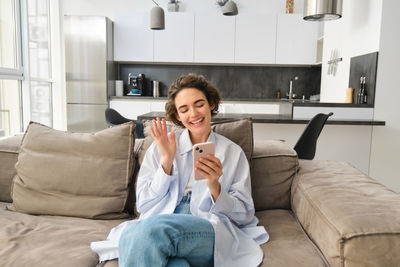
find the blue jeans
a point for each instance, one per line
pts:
(178, 239)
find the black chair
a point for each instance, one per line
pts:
(114, 118)
(307, 143)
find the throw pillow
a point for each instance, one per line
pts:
(74, 174)
(239, 131)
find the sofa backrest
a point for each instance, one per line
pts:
(273, 167)
(9, 148)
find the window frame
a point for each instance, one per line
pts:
(16, 73)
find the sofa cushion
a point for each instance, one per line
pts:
(273, 167)
(9, 148)
(74, 174)
(288, 245)
(354, 220)
(49, 241)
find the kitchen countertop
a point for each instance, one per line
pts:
(270, 118)
(295, 102)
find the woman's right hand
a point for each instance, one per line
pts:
(167, 146)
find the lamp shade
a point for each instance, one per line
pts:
(320, 10)
(157, 18)
(230, 9)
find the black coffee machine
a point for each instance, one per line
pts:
(136, 84)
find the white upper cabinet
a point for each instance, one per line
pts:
(175, 43)
(255, 38)
(214, 39)
(133, 39)
(296, 40)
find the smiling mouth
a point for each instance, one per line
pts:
(197, 123)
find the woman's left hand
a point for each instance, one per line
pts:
(211, 168)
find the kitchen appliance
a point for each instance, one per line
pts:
(90, 71)
(322, 10)
(119, 88)
(137, 84)
(156, 89)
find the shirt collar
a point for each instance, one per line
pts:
(185, 144)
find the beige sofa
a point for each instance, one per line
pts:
(318, 213)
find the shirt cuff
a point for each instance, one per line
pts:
(161, 181)
(224, 203)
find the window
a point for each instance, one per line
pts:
(11, 72)
(10, 122)
(40, 81)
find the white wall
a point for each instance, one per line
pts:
(385, 147)
(356, 33)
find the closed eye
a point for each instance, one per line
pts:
(199, 105)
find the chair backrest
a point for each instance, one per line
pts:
(307, 143)
(114, 118)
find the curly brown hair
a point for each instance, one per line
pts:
(191, 80)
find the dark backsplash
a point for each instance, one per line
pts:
(364, 66)
(233, 81)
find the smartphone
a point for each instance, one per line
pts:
(201, 150)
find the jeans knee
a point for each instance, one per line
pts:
(153, 231)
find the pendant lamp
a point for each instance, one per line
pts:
(322, 10)
(230, 9)
(157, 18)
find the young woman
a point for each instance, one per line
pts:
(187, 222)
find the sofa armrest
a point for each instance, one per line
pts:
(9, 149)
(354, 220)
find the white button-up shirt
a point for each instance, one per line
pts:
(237, 236)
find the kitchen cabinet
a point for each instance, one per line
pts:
(133, 107)
(214, 39)
(296, 41)
(133, 39)
(255, 38)
(339, 113)
(175, 43)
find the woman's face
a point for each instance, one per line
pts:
(194, 111)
